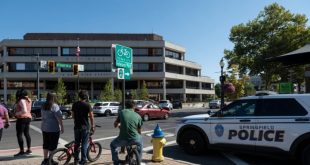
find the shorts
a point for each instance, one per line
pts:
(50, 140)
(1, 129)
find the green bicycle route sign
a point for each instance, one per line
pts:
(123, 56)
(62, 65)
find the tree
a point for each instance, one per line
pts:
(118, 95)
(275, 31)
(107, 93)
(134, 94)
(249, 89)
(12, 99)
(61, 92)
(144, 94)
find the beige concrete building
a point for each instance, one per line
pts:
(159, 63)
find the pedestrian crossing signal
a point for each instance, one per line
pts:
(75, 69)
(51, 66)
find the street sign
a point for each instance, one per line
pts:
(120, 73)
(43, 64)
(127, 74)
(123, 56)
(62, 65)
(81, 67)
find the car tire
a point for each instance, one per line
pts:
(107, 113)
(166, 116)
(64, 115)
(192, 142)
(305, 159)
(33, 116)
(146, 117)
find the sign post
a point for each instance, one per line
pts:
(123, 61)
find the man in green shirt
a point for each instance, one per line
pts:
(130, 124)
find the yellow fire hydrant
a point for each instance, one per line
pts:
(158, 142)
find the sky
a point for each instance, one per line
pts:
(202, 27)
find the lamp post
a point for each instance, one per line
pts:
(222, 79)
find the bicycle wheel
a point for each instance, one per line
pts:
(60, 156)
(134, 157)
(94, 151)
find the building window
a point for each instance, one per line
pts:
(173, 54)
(206, 86)
(147, 51)
(154, 84)
(17, 51)
(192, 85)
(191, 72)
(174, 84)
(147, 67)
(174, 69)
(86, 51)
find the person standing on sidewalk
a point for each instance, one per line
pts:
(3, 114)
(81, 111)
(51, 125)
(23, 115)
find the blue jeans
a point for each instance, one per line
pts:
(117, 142)
(81, 136)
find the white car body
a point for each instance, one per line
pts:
(242, 125)
(106, 108)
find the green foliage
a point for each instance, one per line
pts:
(12, 99)
(249, 89)
(61, 92)
(134, 94)
(275, 31)
(107, 93)
(218, 90)
(118, 95)
(144, 94)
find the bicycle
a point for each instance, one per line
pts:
(133, 156)
(124, 52)
(62, 156)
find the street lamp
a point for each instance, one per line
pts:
(222, 80)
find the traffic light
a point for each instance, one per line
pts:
(75, 69)
(51, 66)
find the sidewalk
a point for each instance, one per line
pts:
(7, 158)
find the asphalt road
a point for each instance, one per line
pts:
(106, 133)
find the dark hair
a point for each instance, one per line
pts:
(21, 94)
(83, 95)
(129, 104)
(51, 98)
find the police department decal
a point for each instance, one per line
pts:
(219, 130)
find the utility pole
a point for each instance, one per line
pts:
(38, 77)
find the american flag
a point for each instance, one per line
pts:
(78, 50)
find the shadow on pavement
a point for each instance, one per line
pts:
(10, 158)
(210, 158)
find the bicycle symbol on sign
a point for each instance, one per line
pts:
(123, 52)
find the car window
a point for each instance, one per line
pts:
(281, 107)
(105, 104)
(240, 108)
(98, 104)
(155, 107)
(114, 104)
(162, 101)
(38, 103)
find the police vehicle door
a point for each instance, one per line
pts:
(232, 126)
(276, 120)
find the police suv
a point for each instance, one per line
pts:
(260, 124)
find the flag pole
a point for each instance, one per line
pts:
(78, 62)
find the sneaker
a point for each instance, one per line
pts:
(28, 152)
(44, 162)
(21, 153)
(82, 162)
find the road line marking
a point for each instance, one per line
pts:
(235, 159)
(143, 132)
(61, 141)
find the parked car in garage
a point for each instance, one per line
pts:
(152, 111)
(106, 108)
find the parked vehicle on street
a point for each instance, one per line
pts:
(267, 124)
(152, 111)
(106, 108)
(165, 104)
(177, 104)
(214, 104)
(36, 110)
